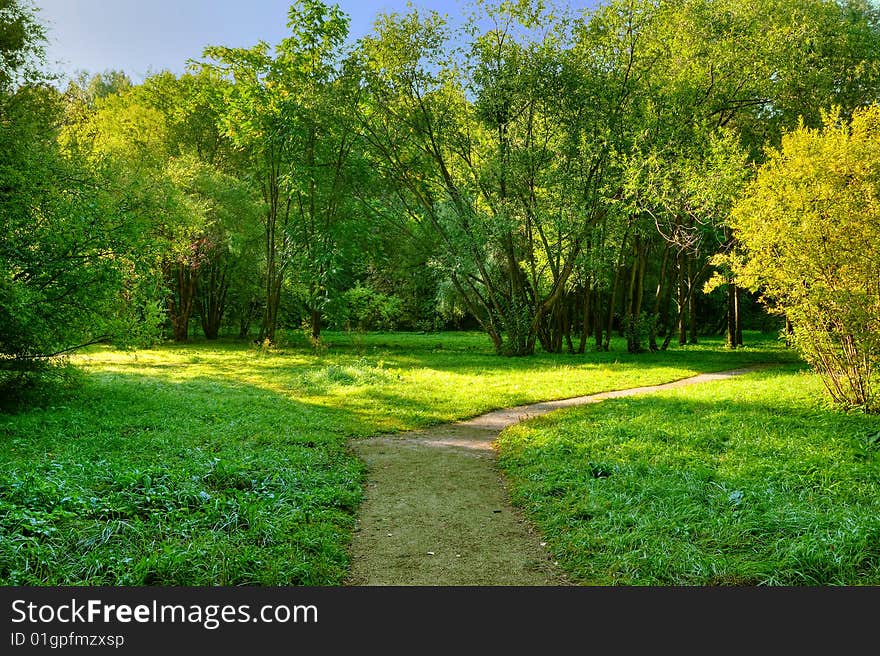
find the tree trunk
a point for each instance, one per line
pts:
(739, 330)
(566, 327)
(682, 301)
(635, 294)
(640, 279)
(270, 316)
(731, 315)
(612, 305)
(629, 320)
(582, 347)
(661, 310)
(275, 257)
(315, 322)
(212, 296)
(246, 318)
(180, 303)
(692, 302)
(609, 326)
(273, 302)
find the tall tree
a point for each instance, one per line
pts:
(204, 165)
(733, 72)
(285, 112)
(511, 181)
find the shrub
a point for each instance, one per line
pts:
(809, 235)
(365, 309)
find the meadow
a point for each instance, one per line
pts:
(748, 481)
(227, 463)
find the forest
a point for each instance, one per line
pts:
(668, 186)
(550, 179)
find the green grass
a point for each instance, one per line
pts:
(750, 481)
(227, 464)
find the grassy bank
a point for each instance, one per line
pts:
(227, 464)
(749, 481)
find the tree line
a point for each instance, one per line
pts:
(553, 176)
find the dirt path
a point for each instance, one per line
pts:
(436, 510)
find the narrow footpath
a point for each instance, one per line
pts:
(437, 512)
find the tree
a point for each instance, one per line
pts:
(22, 41)
(734, 76)
(219, 257)
(164, 135)
(129, 133)
(809, 235)
(510, 181)
(71, 253)
(687, 190)
(72, 268)
(286, 115)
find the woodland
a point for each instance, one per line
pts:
(211, 281)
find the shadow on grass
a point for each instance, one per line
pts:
(139, 480)
(197, 478)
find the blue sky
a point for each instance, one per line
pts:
(147, 36)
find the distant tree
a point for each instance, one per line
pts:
(809, 235)
(164, 135)
(221, 255)
(128, 134)
(732, 77)
(224, 213)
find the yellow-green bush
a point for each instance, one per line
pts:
(809, 230)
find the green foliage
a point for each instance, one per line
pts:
(492, 152)
(22, 41)
(810, 232)
(551, 154)
(759, 67)
(362, 308)
(71, 270)
(201, 216)
(751, 481)
(287, 115)
(549, 159)
(530, 173)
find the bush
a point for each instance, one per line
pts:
(809, 230)
(362, 308)
(28, 384)
(75, 258)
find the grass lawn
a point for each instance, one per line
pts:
(751, 481)
(226, 464)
